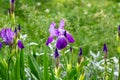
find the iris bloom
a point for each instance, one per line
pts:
(63, 36)
(7, 35)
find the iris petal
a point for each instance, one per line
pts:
(62, 24)
(61, 42)
(70, 38)
(53, 31)
(49, 40)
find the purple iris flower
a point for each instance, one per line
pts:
(0, 45)
(20, 44)
(56, 54)
(63, 37)
(80, 52)
(105, 48)
(7, 35)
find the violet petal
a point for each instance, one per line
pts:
(49, 40)
(61, 42)
(70, 38)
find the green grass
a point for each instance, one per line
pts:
(91, 22)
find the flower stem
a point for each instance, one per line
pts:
(106, 76)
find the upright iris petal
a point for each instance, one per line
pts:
(7, 35)
(62, 24)
(20, 44)
(56, 54)
(61, 42)
(53, 32)
(105, 48)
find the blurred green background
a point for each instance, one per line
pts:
(91, 22)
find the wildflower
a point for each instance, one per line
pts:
(66, 33)
(20, 44)
(105, 48)
(63, 37)
(7, 35)
(56, 54)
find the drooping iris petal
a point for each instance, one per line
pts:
(20, 44)
(80, 52)
(7, 35)
(61, 42)
(70, 38)
(49, 40)
(0, 45)
(56, 54)
(62, 24)
(105, 48)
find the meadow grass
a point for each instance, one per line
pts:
(91, 22)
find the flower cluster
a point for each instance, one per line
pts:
(8, 37)
(63, 36)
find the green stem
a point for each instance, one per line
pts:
(8, 68)
(106, 76)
